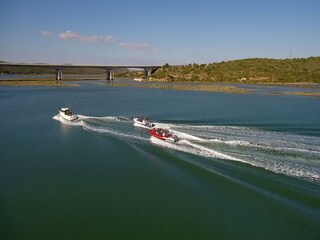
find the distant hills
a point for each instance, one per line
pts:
(254, 70)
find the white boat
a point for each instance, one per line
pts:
(138, 79)
(67, 114)
(143, 122)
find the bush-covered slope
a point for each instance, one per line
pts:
(255, 70)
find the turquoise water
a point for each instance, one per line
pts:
(246, 167)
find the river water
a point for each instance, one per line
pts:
(247, 166)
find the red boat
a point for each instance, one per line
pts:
(163, 134)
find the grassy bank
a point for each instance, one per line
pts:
(38, 82)
(193, 87)
(255, 70)
(200, 87)
(47, 80)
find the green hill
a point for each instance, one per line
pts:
(255, 70)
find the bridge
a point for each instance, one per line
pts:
(148, 70)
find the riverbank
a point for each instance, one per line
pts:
(187, 87)
(249, 71)
(308, 94)
(311, 89)
(49, 83)
(46, 80)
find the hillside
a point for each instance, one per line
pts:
(254, 70)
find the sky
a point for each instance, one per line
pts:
(141, 32)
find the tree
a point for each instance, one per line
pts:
(166, 65)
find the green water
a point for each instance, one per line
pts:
(246, 166)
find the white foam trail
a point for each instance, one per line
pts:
(109, 131)
(104, 130)
(186, 136)
(210, 152)
(285, 167)
(238, 143)
(249, 137)
(106, 118)
(186, 146)
(279, 152)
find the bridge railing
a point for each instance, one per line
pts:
(148, 70)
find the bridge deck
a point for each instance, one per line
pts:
(75, 66)
(148, 69)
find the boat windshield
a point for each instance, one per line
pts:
(68, 112)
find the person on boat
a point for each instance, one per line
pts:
(68, 112)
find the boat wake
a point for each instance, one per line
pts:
(120, 127)
(279, 152)
(189, 147)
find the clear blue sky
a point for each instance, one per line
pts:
(157, 32)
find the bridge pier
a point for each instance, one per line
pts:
(110, 74)
(147, 73)
(58, 74)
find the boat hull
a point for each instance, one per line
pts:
(168, 138)
(138, 123)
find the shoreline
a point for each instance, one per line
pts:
(225, 87)
(24, 82)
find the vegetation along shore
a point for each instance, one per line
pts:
(253, 70)
(299, 72)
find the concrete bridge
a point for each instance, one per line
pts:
(148, 70)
